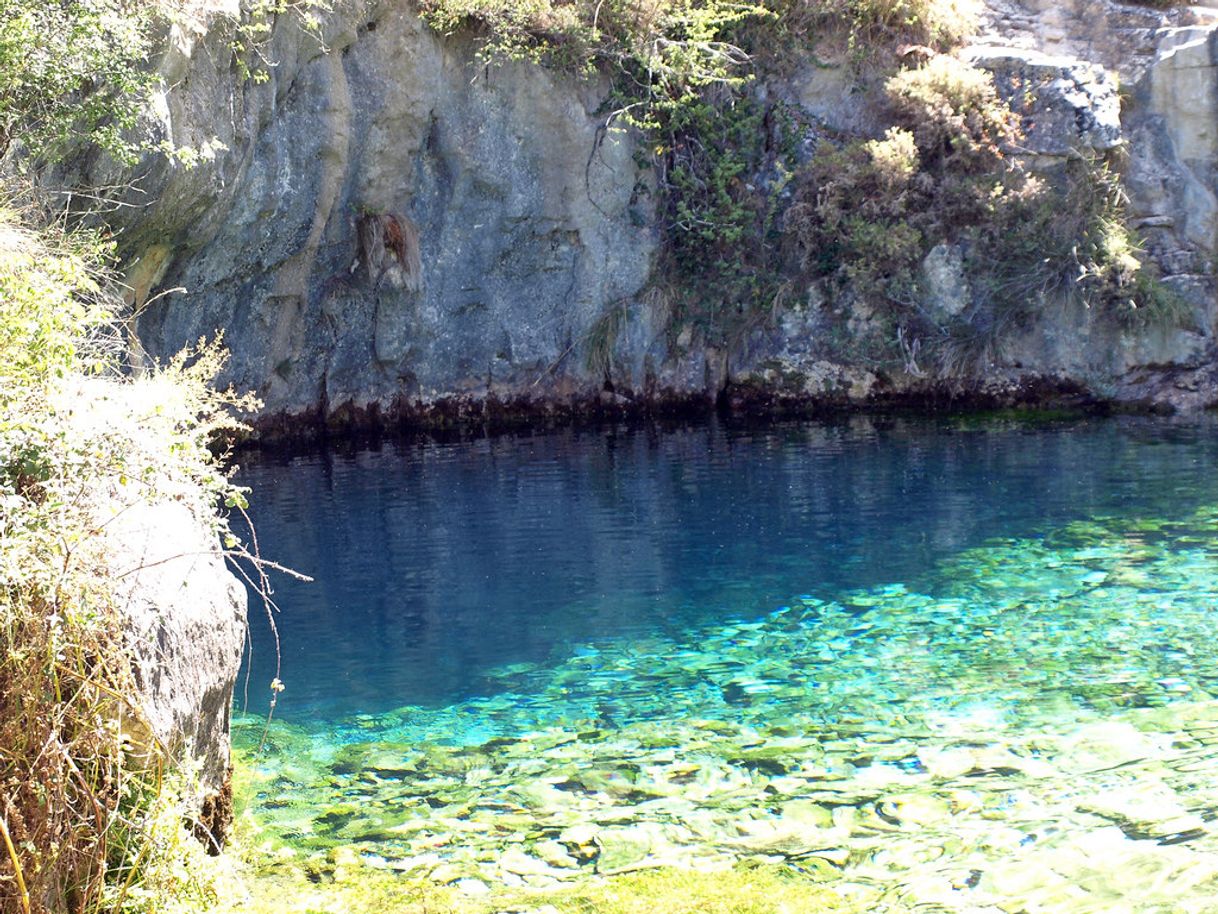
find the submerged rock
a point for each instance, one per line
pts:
(1012, 767)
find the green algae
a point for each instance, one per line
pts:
(741, 890)
(1028, 715)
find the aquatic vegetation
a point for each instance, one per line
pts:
(1030, 722)
(742, 890)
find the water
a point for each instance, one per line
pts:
(438, 565)
(692, 633)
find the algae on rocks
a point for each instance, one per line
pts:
(1006, 730)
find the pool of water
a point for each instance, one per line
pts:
(440, 566)
(711, 643)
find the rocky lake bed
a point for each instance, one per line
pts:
(1032, 727)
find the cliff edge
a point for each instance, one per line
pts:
(392, 228)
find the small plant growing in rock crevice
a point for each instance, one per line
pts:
(388, 242)
(725, 168)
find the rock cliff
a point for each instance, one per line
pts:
(295, 233)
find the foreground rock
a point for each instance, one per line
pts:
(186, 621)
(184, 613)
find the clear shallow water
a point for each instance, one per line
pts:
(478, 572)
(957, 666)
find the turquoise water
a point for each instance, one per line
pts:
(686, 638)
(449, 572)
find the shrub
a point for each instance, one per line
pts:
(724, 166)
(70, 71)
(85, 818)
(853, 216)
(672, 44)
(955, 114)
(1068, 238)
(872, 35)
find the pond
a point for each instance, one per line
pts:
(963, 662)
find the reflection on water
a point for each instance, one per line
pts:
(437, 565)
(956, 667)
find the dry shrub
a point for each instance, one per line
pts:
(852, 215)
(387, 241)
(955, 114)
(86, 819)
(874, 34)
(869, 211)
(1068, 239)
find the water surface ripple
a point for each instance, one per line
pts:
(967, 665)
(437, 565)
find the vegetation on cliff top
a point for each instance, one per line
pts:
(70, 70)
(750, 219)
(680, 71)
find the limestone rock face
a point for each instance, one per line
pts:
(1180, 99)
(1068, 106)
(947, 289)
(536, 227)
(531, 220)
(185, 618)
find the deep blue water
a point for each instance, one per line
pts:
(438, 565)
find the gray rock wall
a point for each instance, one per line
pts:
(531, 220)
(185, 618)
(534, 222)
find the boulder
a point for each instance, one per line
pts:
(1067, 106)
(182, 612)
(185, 624)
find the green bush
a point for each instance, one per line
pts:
(855, 212)
(724, 167)
(73, 71)
(958, 121)
(1068, 238)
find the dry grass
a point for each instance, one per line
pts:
(873, 34)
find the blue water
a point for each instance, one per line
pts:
(443, 569)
